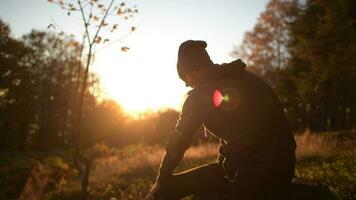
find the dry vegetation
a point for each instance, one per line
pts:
(314, 144)
(127, 173)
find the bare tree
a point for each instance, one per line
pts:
(95, 16)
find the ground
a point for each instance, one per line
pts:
(127, 174)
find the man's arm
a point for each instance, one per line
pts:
(189, 121)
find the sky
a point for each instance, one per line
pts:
(145, 78)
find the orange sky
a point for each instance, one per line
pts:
(144, 78)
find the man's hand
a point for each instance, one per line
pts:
(151, 195)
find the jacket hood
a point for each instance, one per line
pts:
(226, 70)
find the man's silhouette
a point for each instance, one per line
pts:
(257, 152)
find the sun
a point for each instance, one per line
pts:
(140, 85)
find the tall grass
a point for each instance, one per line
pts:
(128, 173)
(142, 160)
(311, 144)
(139, 159)
(322, 159)
(324, 144)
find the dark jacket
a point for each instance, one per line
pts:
(249, 119)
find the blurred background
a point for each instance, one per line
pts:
(118, 105)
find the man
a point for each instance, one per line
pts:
(257, 153)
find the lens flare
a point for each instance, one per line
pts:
(217, 98)
(226, 98)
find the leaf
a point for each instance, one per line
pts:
(114, 27)
(122, 4)
(106, 40)
(98, 39)
(120, 12)
(68, 13)
(133, 28)
(124, 49)
(95, 18)
(51, 26)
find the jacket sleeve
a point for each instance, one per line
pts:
(181, 137)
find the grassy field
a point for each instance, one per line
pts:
(126, 174)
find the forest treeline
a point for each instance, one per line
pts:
(306, 52)
(39, 91)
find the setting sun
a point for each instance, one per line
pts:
(140, 85)
(145, 78)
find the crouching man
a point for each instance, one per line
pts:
(257, 152)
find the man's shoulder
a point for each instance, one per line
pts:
(200, 98)
(201, 90)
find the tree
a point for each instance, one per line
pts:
(323, 62)
(264, 49)
(38, 89)
(15, 112)
(94, 15)
(53, 65)
(306, 53)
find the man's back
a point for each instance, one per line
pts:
(249, 117)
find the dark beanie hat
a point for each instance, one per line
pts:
(187, 55)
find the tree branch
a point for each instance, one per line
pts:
(85, 21)
(102, 21)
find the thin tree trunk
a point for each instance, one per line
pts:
(78, 157)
